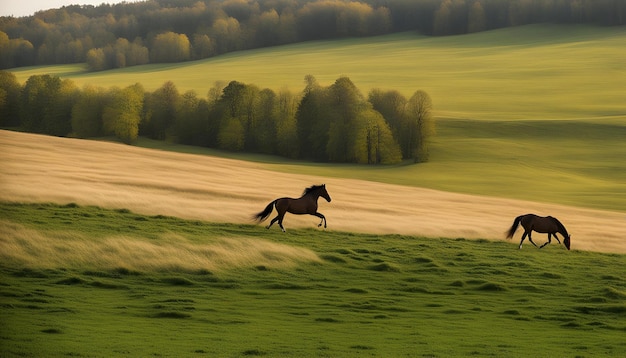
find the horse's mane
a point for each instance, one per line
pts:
(559, 225)
(311, 189)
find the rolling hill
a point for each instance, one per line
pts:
(115, 250)
(528, 72)
(534, 112)
(153, 182)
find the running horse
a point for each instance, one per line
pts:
(306, 204)
(545, 225)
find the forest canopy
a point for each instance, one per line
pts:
(127, 34)
(333, 123)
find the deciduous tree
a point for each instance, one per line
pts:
(392, 105)
(45, 104)
(287, 143)
(203, 46)
(313, 121)
(170, 47)
(346, 103)
(87, 112)
(122, 115)
(231, 136)
(374, 141)
(420, 124)
(190, 122)
(227, 34)
(264, 130)
(160, 109)
(9, 99)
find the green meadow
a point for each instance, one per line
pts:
(535, 112)
(528, 72)
(309, 293)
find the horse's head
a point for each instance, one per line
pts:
(324, 193)
(566, 241)
(317, 191)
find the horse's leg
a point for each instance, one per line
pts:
(280, 221)
(523, 237)
(281, 208)
(273, 221)
(549, 240)
(319, 215)
(557, 238)
(531, 239)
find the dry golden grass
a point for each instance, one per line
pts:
(47, 169)
(30, 248)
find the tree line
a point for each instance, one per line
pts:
(335, 123)
(155, 31)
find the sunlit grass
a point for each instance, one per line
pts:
(379, 295)
(88, 281)
(365, 199)
(512, 75)
(23, 247)
(530, 72)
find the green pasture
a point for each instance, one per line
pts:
(365, 295)
(529, 72)
(534, 112)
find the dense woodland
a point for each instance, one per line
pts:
(329, 124)
(156, 31)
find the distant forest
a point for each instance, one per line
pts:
(157, 31)
(325, 124)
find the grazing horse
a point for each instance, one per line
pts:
(548, 224)
(306, 204)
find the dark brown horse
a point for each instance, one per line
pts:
(546, 225)
(306, 204)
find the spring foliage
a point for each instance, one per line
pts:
(327, 124)
(133, 33)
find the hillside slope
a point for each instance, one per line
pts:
(528, 72)
(48, 169)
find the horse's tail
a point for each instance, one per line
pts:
(514, 227)
(260, 217)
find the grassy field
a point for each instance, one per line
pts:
(529, 72)
(534, 113)
(39, 168)
(307, 293)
